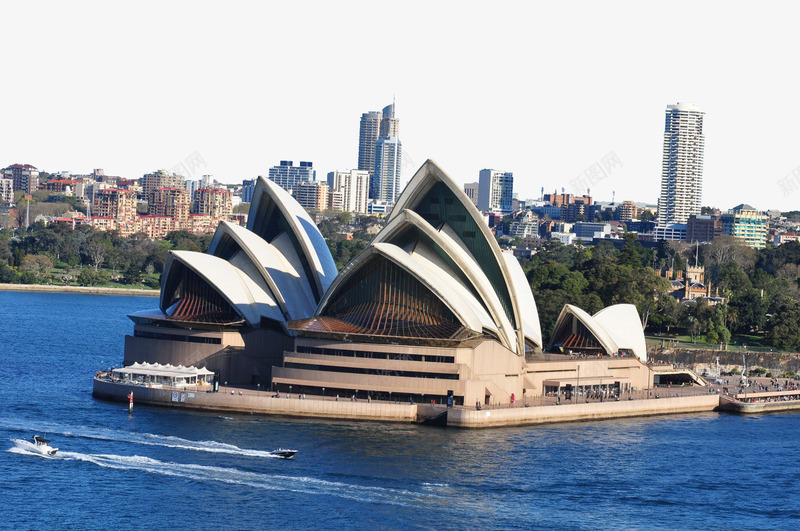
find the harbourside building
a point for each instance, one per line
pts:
(432, 309)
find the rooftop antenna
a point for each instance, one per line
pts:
(589, 192)
(613, 197)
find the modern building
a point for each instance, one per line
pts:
(586, 231)
(495, 190)
(24, 177)
(747, 225)
(354, 187)
(368, 133)
(385, 184)
(286, 175)
(523, 229)
(312, 195)
(115, 203)
(375, 125)
(785, 237)
(432, 309)
(673, 231)
(248, 188)
(159, 179)
(170, 202)
(471, 189)
(6, 190)
(214, 202)
(682, 164)
(703, 228)
(627, 211)
(335, 200)
(380, 153)
(193, 185)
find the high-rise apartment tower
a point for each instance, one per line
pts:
(682, 166)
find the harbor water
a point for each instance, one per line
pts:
(158, 467)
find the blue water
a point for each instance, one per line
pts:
(161, 468)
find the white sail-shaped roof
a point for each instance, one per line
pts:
(569, 312)
(454, 295)
(278, 265)
(272, 212)
(437, 235)
(460, 263)
(248, 299)
(623, 324)
(531, 326)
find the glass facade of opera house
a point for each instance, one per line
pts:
(431, 308)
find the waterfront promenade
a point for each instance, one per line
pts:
(539, 410)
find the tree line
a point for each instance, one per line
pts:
(85, 256)
(759, 287)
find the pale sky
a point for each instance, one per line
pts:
(544, 90)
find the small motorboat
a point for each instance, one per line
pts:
(40, 445)
(283, 453)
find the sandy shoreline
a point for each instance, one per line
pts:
(80, 289)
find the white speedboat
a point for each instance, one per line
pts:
(40, 445)
(283, 453)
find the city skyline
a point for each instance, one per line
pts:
(562, 105)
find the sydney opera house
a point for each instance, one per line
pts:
(431, 308)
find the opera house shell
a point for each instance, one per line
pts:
(431, 308)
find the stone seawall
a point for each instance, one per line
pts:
(702, 359)
(261, 403)
(264, 403)
(524, 416)
(746, 408)
(80, 289)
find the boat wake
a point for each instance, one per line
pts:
(149, 439)
(235, 476)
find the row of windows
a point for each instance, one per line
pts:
(374, 355)
(178, 337)
(374, 372)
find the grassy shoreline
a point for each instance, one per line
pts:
(80, 289)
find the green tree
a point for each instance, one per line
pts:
(91, 277)
(36, 264)
(749, 309)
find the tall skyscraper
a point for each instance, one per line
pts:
(682, 166)
(368, 134)
(385, 185)
(495, 189)
(380, 153)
